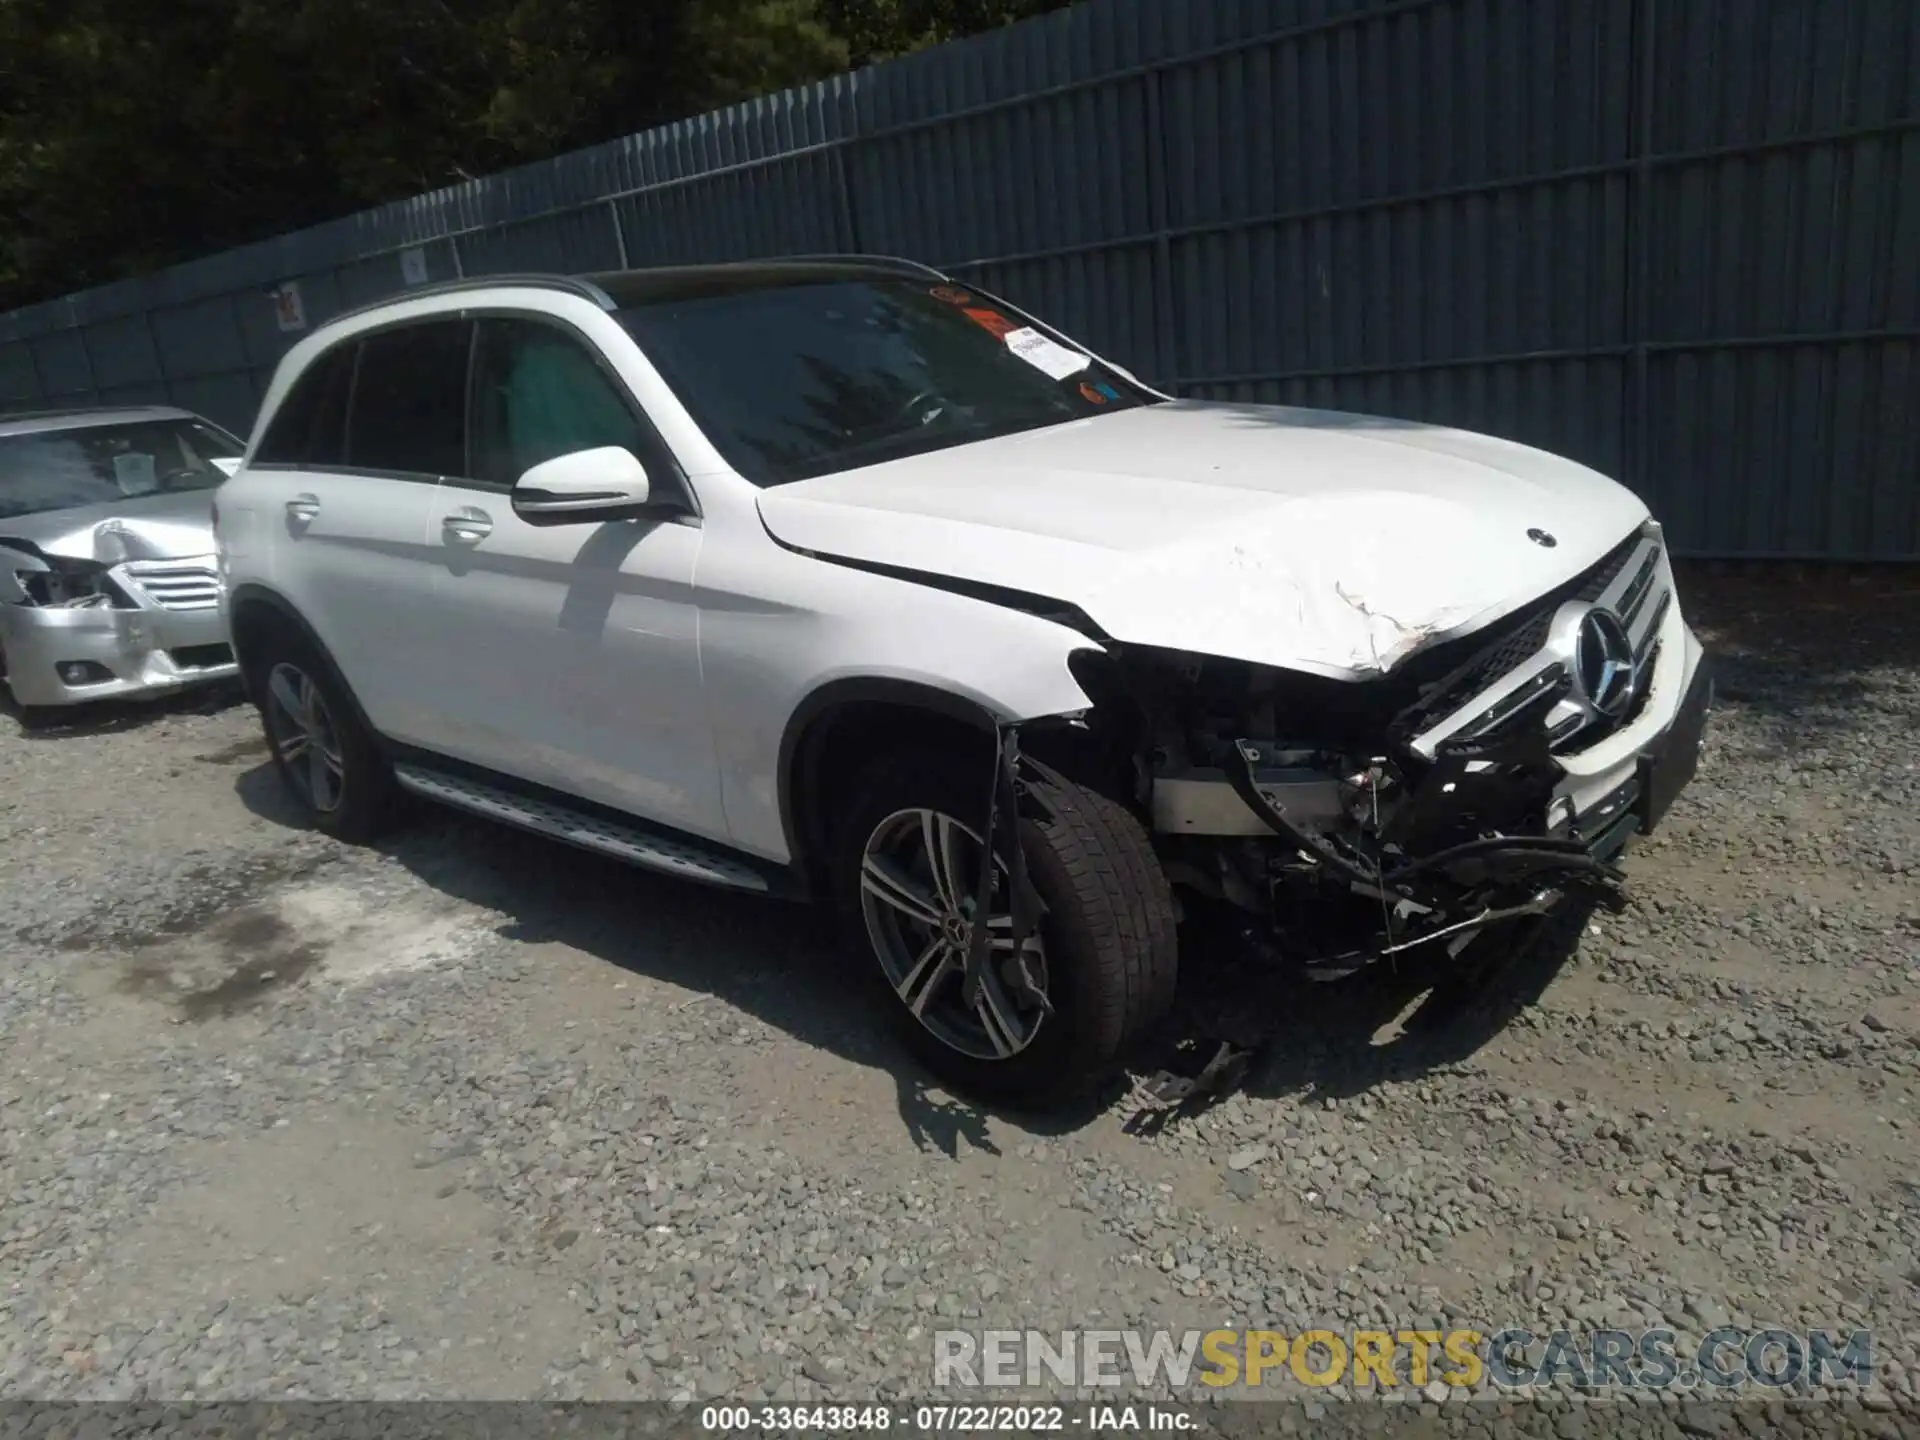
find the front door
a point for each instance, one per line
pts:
(571, 651)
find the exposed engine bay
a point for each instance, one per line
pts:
(36, 578)
(1299, 799)
(1328, 808)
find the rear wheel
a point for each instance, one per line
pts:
(907, 872)
(324, 753)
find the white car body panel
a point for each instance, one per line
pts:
(603, 698)
(777, 628)
(359, 572)
(1333, 544)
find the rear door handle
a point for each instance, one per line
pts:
(468, 525)
(302, 508)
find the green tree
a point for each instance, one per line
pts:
(134, 135)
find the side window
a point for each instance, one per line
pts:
(409, 400)
(538, 393)
(310, 427)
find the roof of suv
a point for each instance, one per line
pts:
(617, 289)
(39, 422)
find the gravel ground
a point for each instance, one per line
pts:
(475, 1116)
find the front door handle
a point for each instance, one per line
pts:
(301, 509)
(468, 525)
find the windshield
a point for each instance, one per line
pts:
(795, 380)
(98, 464)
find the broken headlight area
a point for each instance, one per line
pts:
(34, 578)
(1298, 799)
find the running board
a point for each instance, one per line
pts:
(684, 858)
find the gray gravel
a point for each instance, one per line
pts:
(472, 1116)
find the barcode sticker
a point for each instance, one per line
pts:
(1046, 355)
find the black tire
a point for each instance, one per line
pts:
(1110, 951)
(357, 809)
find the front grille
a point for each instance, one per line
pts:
(200, 657)
(1481, 700)
(187, 584)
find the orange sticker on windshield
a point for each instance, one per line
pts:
(1087, 392)
(951, 295)
(993, 322)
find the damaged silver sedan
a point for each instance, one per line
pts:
(108, 586)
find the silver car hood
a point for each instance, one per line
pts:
(149, 527)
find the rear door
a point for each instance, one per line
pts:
(572, 649)
(345, 478)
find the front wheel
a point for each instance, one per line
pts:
(1046, 1022)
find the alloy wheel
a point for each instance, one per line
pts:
(302, 732)
(919, 882)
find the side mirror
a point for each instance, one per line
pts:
(609, 483)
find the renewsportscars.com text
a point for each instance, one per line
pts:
(1724, 1360)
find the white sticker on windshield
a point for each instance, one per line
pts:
(1046, 355)
(134, 474)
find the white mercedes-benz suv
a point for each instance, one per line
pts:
(836, 577)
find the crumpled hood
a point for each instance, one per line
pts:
(151, 527)
(1318, 541)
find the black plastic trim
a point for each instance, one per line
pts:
(782, 880)
(801, 741)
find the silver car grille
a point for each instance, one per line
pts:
(189, 583)
(1484, 699)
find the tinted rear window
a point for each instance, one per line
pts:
(310, 427)
(409, 400)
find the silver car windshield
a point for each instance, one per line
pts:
(98, 464)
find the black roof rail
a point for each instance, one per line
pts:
(591, 286)
(878, 262)
(65, 412)
(571, 284)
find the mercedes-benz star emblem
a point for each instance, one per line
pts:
(1604, 667)
(1542, 538)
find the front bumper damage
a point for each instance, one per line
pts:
(1418, 881)
(81, 630)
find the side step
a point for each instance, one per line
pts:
(684, 858)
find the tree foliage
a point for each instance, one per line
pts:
(133, 135)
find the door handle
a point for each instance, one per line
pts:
(468, 525)
(302, 508)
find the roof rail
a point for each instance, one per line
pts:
(879, 262)
(571, 284)
(584, 285)
(64, 412)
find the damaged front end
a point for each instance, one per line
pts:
(118, 622)
(1413, 809)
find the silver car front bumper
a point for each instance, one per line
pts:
(172, 634)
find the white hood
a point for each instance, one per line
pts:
(1331, 543)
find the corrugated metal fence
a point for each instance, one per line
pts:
(1676, 239)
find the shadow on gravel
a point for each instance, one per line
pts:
(779, 963)
(109, 717)
(1393, 1022)
(1809, 650)
(774, 960)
